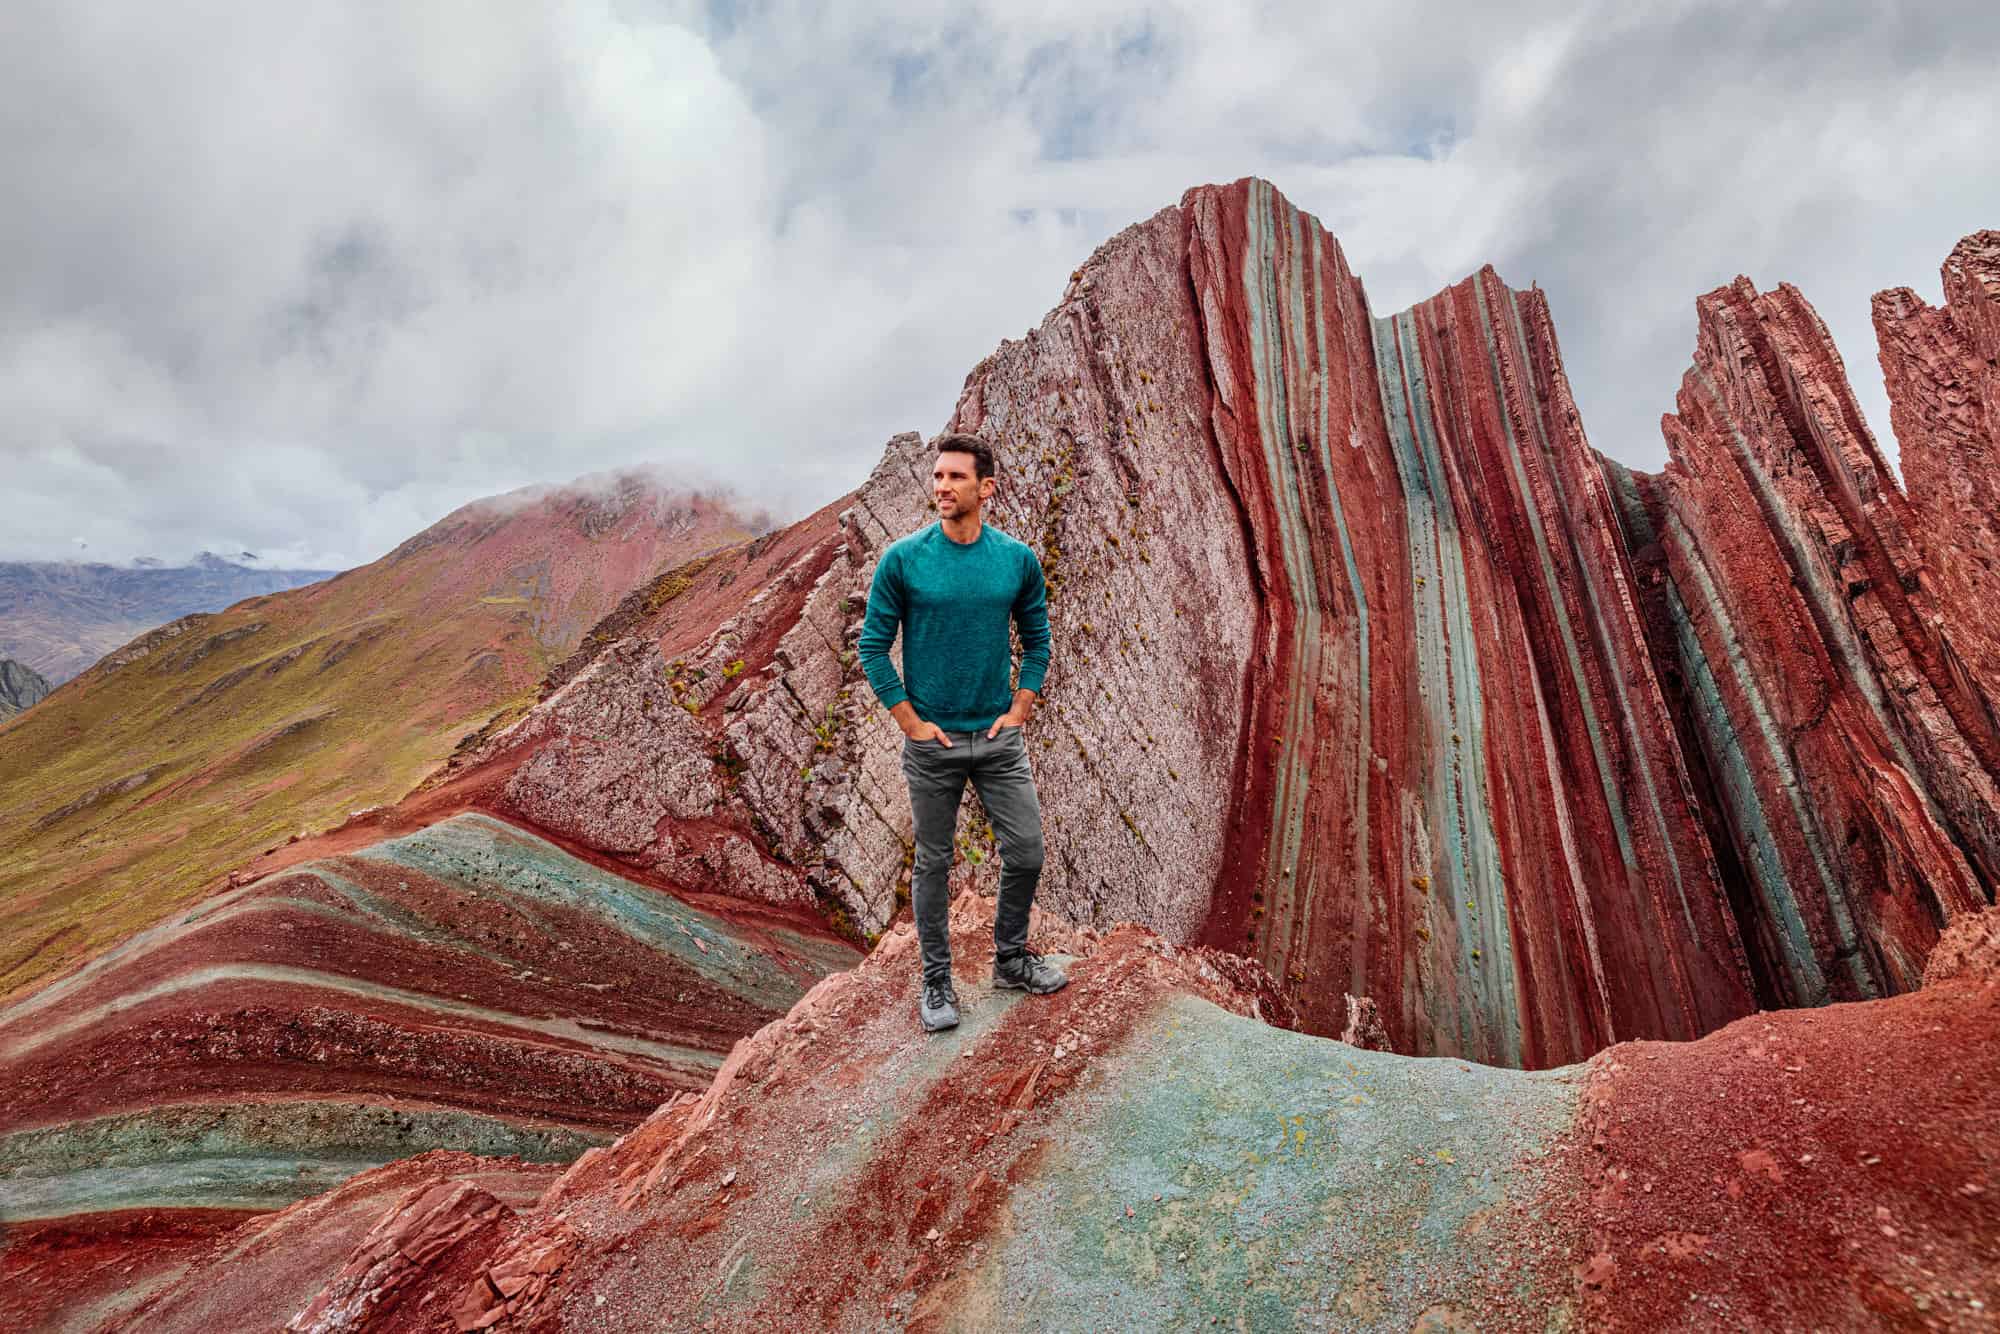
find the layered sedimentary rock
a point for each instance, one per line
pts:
(470, 986)
(1365, 667)
(1942, 369)
(1849, 762)
(1462, 792)
(1140, 1151)
(1348, 676)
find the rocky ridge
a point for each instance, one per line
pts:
(1852, 768)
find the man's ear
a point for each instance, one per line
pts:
(986, 485)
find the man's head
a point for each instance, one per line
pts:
(962, 476)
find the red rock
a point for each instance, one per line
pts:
(1654, 1203)
(1849, 768)
(1339, 613)
(1969, 948)
(1942, 370)
(401, 1252)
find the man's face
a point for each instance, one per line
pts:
(957, 486)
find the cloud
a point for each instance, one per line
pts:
(305, 279)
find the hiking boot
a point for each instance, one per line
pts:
(1028, 971)
(937, 1008)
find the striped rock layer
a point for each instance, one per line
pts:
(1140, 1151)
(469, 987)
(1846, 754)
(1452, 784)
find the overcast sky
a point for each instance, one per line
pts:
(301, 278)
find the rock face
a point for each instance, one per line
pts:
(1942, 369)
(91, 1274)
(20, 688)
(1348, 673)
(1849, 762)
(1146, 1150)
(1462, 786)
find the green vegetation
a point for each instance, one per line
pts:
(257, 724)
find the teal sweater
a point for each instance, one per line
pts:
(952, 602)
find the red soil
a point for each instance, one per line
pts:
(55, 1268)
(1826, 1168)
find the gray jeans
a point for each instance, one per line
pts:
(1000, 774)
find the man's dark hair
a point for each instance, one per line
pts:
(960, 442)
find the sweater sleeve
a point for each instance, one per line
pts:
(1031, 618)
(878, 631)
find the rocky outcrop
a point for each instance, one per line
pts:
(1348, 675)
(1942, 370)
(1968, 950)
(20, 688)
(1144, 1150)
(1463, 793)
(1850, 767)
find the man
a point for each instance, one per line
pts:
(951, 589)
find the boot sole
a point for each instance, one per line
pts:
(930, 1027)
(1002, 984)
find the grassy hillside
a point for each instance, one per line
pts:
(130, 790)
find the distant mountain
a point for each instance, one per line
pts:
(188, 750)
(58, 617)
(20, 686)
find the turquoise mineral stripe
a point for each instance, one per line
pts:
(1607, 780)
(1831, 617)
(1361, 763)
(1481, 850)
(1448, 683)
(1299, 878)
(247, 1155)
(1726, 747)
(1724, 743)
(1260, 289)
(489, 857)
